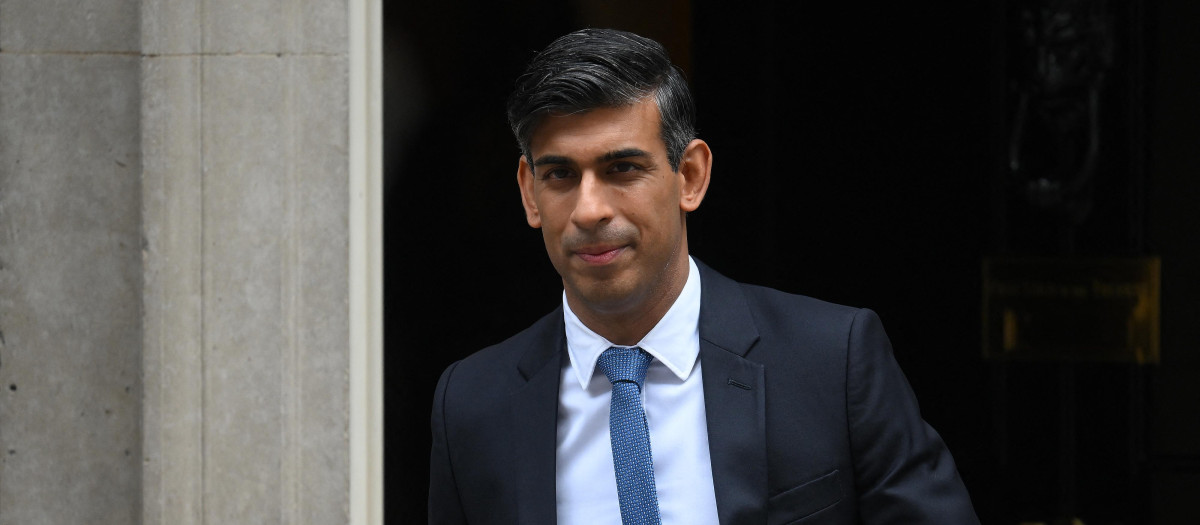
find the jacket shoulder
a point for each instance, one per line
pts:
(765, 299)
(767, 304)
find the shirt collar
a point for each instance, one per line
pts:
(674, 341)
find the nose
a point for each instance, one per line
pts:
(592, 205)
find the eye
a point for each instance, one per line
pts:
(623, 167)
(556, 174)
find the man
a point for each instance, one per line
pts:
(661, 391)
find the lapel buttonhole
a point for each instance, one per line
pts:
(739, 384)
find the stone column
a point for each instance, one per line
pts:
(175, 263)
(245, 139)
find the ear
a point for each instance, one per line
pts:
(525, 181)
(694, 170)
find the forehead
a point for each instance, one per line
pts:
(600, 129)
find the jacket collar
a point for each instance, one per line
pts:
(725, 319)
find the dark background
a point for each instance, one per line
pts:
(859, 153)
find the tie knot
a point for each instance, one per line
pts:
(621, 363)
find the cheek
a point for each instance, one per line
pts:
(551, 213)
(554, 219)
(662, 209)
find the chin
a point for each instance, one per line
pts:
(608, 296)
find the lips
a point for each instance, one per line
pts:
(600, 254)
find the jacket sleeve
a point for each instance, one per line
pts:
(445, 506)
(903, 471)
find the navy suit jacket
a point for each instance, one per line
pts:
(810, 421)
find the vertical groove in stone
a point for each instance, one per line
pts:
(202, 11)
(172, 476)
(292, 283)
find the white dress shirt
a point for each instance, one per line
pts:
(673, 396)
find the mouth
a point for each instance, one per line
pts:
(599, 254)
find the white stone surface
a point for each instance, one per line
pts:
(244, 190)
(275, 304)
(172, 191)
(318, 415)
(171, 27)
(69, 25)
(275, 26)
(321, 27)
(174, 267)
(246, 292)
(70, 288)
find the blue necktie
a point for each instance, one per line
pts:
(626, 369)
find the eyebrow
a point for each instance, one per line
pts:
(551, 159)
(623, 154)
(558, 160)
(610, 156)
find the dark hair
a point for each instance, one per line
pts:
(597, 68)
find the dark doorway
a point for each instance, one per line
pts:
(851, 159)
(853, 146)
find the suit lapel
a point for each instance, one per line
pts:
(534, 431)
(734, 400)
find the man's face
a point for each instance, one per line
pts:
(610, 208)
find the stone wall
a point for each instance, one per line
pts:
(174, 268)
(70, 263)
